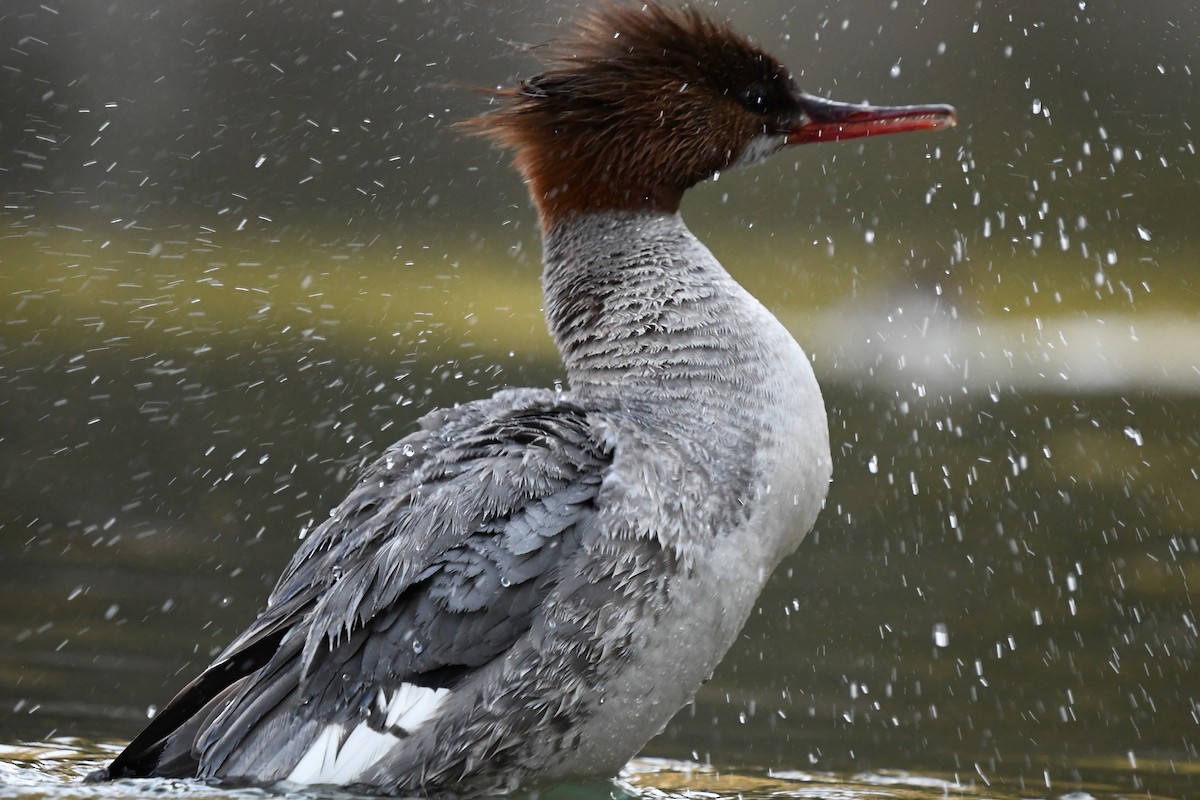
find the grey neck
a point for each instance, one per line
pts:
(707, 393)
(639, 307)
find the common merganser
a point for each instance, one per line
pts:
(528, 587)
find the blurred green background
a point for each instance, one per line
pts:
(242, 248)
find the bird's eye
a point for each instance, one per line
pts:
(755, 99)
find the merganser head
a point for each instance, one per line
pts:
(645, 101)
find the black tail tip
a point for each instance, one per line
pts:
(101, 775)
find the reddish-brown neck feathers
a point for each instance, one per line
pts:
(641, 103)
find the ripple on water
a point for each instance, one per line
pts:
(54, 770)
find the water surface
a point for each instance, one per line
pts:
(1000, 592)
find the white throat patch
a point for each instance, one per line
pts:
(759, 149)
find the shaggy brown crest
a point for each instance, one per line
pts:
(639, 104)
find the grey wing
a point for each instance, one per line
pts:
(431, 568)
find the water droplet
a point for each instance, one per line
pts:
(408, 451)
(941, 635)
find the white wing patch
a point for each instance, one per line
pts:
(341, 754)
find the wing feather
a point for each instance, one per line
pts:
(433, 566)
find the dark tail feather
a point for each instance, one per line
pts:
(143, 757)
